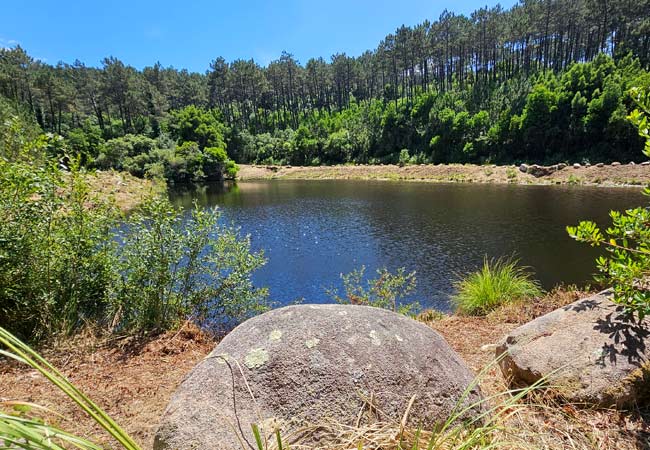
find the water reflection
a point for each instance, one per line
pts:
(312, 231)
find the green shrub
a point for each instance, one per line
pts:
(56, 255)
(404, 157)
(385, 291)
(497, 283)
(61, 265)
(174, 268)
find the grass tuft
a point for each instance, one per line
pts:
(499, 282)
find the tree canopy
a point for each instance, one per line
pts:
(545, 80)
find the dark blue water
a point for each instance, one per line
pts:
(312, 231)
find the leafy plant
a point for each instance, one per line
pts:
(626, 266)
(404, 157)
(385, 291)
(173, 267)
(62, 265)
(55, 248)
(497, 282)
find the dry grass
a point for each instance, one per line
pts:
(543, 423)
(127, 191)
(133, 379)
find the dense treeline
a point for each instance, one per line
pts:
(545, 80)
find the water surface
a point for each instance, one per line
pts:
(312, 231)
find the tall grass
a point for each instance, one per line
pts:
(497, 282)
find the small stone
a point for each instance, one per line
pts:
(523, 168)
(488, 347)
(576, 165)
(561, 166)
(645, 163)
(615, 163)
(632, 163)
(600, 165)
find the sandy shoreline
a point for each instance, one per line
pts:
(607, 175)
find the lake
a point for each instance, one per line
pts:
(312, 231)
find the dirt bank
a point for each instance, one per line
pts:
(607, 175)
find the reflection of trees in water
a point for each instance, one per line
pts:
(314, 230)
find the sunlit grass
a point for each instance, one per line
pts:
(497, 282)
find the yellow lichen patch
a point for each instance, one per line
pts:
(256, 358)
(275, 336)
(373, 338)
(311, 343)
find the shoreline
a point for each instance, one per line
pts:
(624, 175)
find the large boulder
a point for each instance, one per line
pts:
(306, 364)
(589, 352)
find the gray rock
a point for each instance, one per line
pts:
(590, 351)
(576, 165)
(615, 163)
(542, 171)
(632, 163)
(600, 165)
(645, 163)
(561, 166)
(523, 168)
(308, 363)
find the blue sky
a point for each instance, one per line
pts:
(189, 34)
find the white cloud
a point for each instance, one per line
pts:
(8, 43)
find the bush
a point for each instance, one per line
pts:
(61, 265)
(382, 292)
(174, 268)
(404, 157)
(55, 252)
(497, 283)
